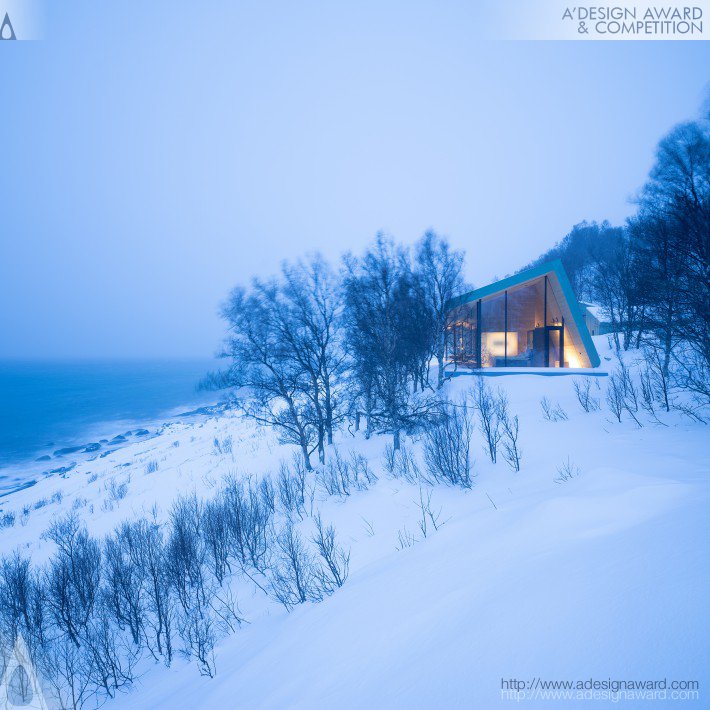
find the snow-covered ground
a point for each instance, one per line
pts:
(604, 576)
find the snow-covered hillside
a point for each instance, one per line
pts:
(529, 578)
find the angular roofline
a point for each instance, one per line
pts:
(549, 267)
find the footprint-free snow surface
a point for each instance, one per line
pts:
(601, 577)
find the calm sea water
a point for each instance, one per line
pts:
(50, 405)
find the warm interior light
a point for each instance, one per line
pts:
(494, 343)
(572, 358)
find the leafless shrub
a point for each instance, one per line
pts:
(73, 576)
(583, 390)
(68, 670)
(117, 491)
(267, 493)
(692, 410)
(291, 484)
(657, 376)
(152, 466)
(200, 610)
(389, 458)
(22, 607)
(340, 475)
(615, 395)
(295, 575)
(487, 407)
(511, 449)
(215, 530)
(335, 477)
(621, 393)
(630, 393)
(691, 374)
(552, 412)
(138, 588)
(405, 539)
(249, 522)
(198, 630)
(112, 657)
(566, 471)
(160, 601)
(336, 561)
(369, 529)
(649, 394)
(406, 466)
(258, 531)
(447, 446)
(428, 519)
(223, 446)
(648, 399)
(363, 475)
(125, 581)
(7, 520)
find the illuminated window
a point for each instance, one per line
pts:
(527, 322)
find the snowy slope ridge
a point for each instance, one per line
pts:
(601, 576)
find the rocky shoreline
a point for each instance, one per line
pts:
(68, 457)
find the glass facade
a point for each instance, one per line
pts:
(527, 325)
(493, 341)
(462, 335)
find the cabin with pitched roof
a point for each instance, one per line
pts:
(531, 320)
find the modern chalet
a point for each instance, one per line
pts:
(531, 320)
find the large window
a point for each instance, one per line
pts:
(526, 314)
(559, 314)
(493, 342)
(528, 325)
(462, 342)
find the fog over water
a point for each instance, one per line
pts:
(46, 406)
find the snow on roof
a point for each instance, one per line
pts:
(596, 311)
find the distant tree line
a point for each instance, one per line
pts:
(652, 276)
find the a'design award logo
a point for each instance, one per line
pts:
(6, 29)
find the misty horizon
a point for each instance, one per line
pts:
(144, 185)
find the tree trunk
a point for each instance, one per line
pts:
(668, 341)
(306, 457)
(321, 450)
(328, 413)
(395, 442)
(357, 421)
(667, 348)
(641, 324)
(440, 352)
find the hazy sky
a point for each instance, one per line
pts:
(153, 155)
